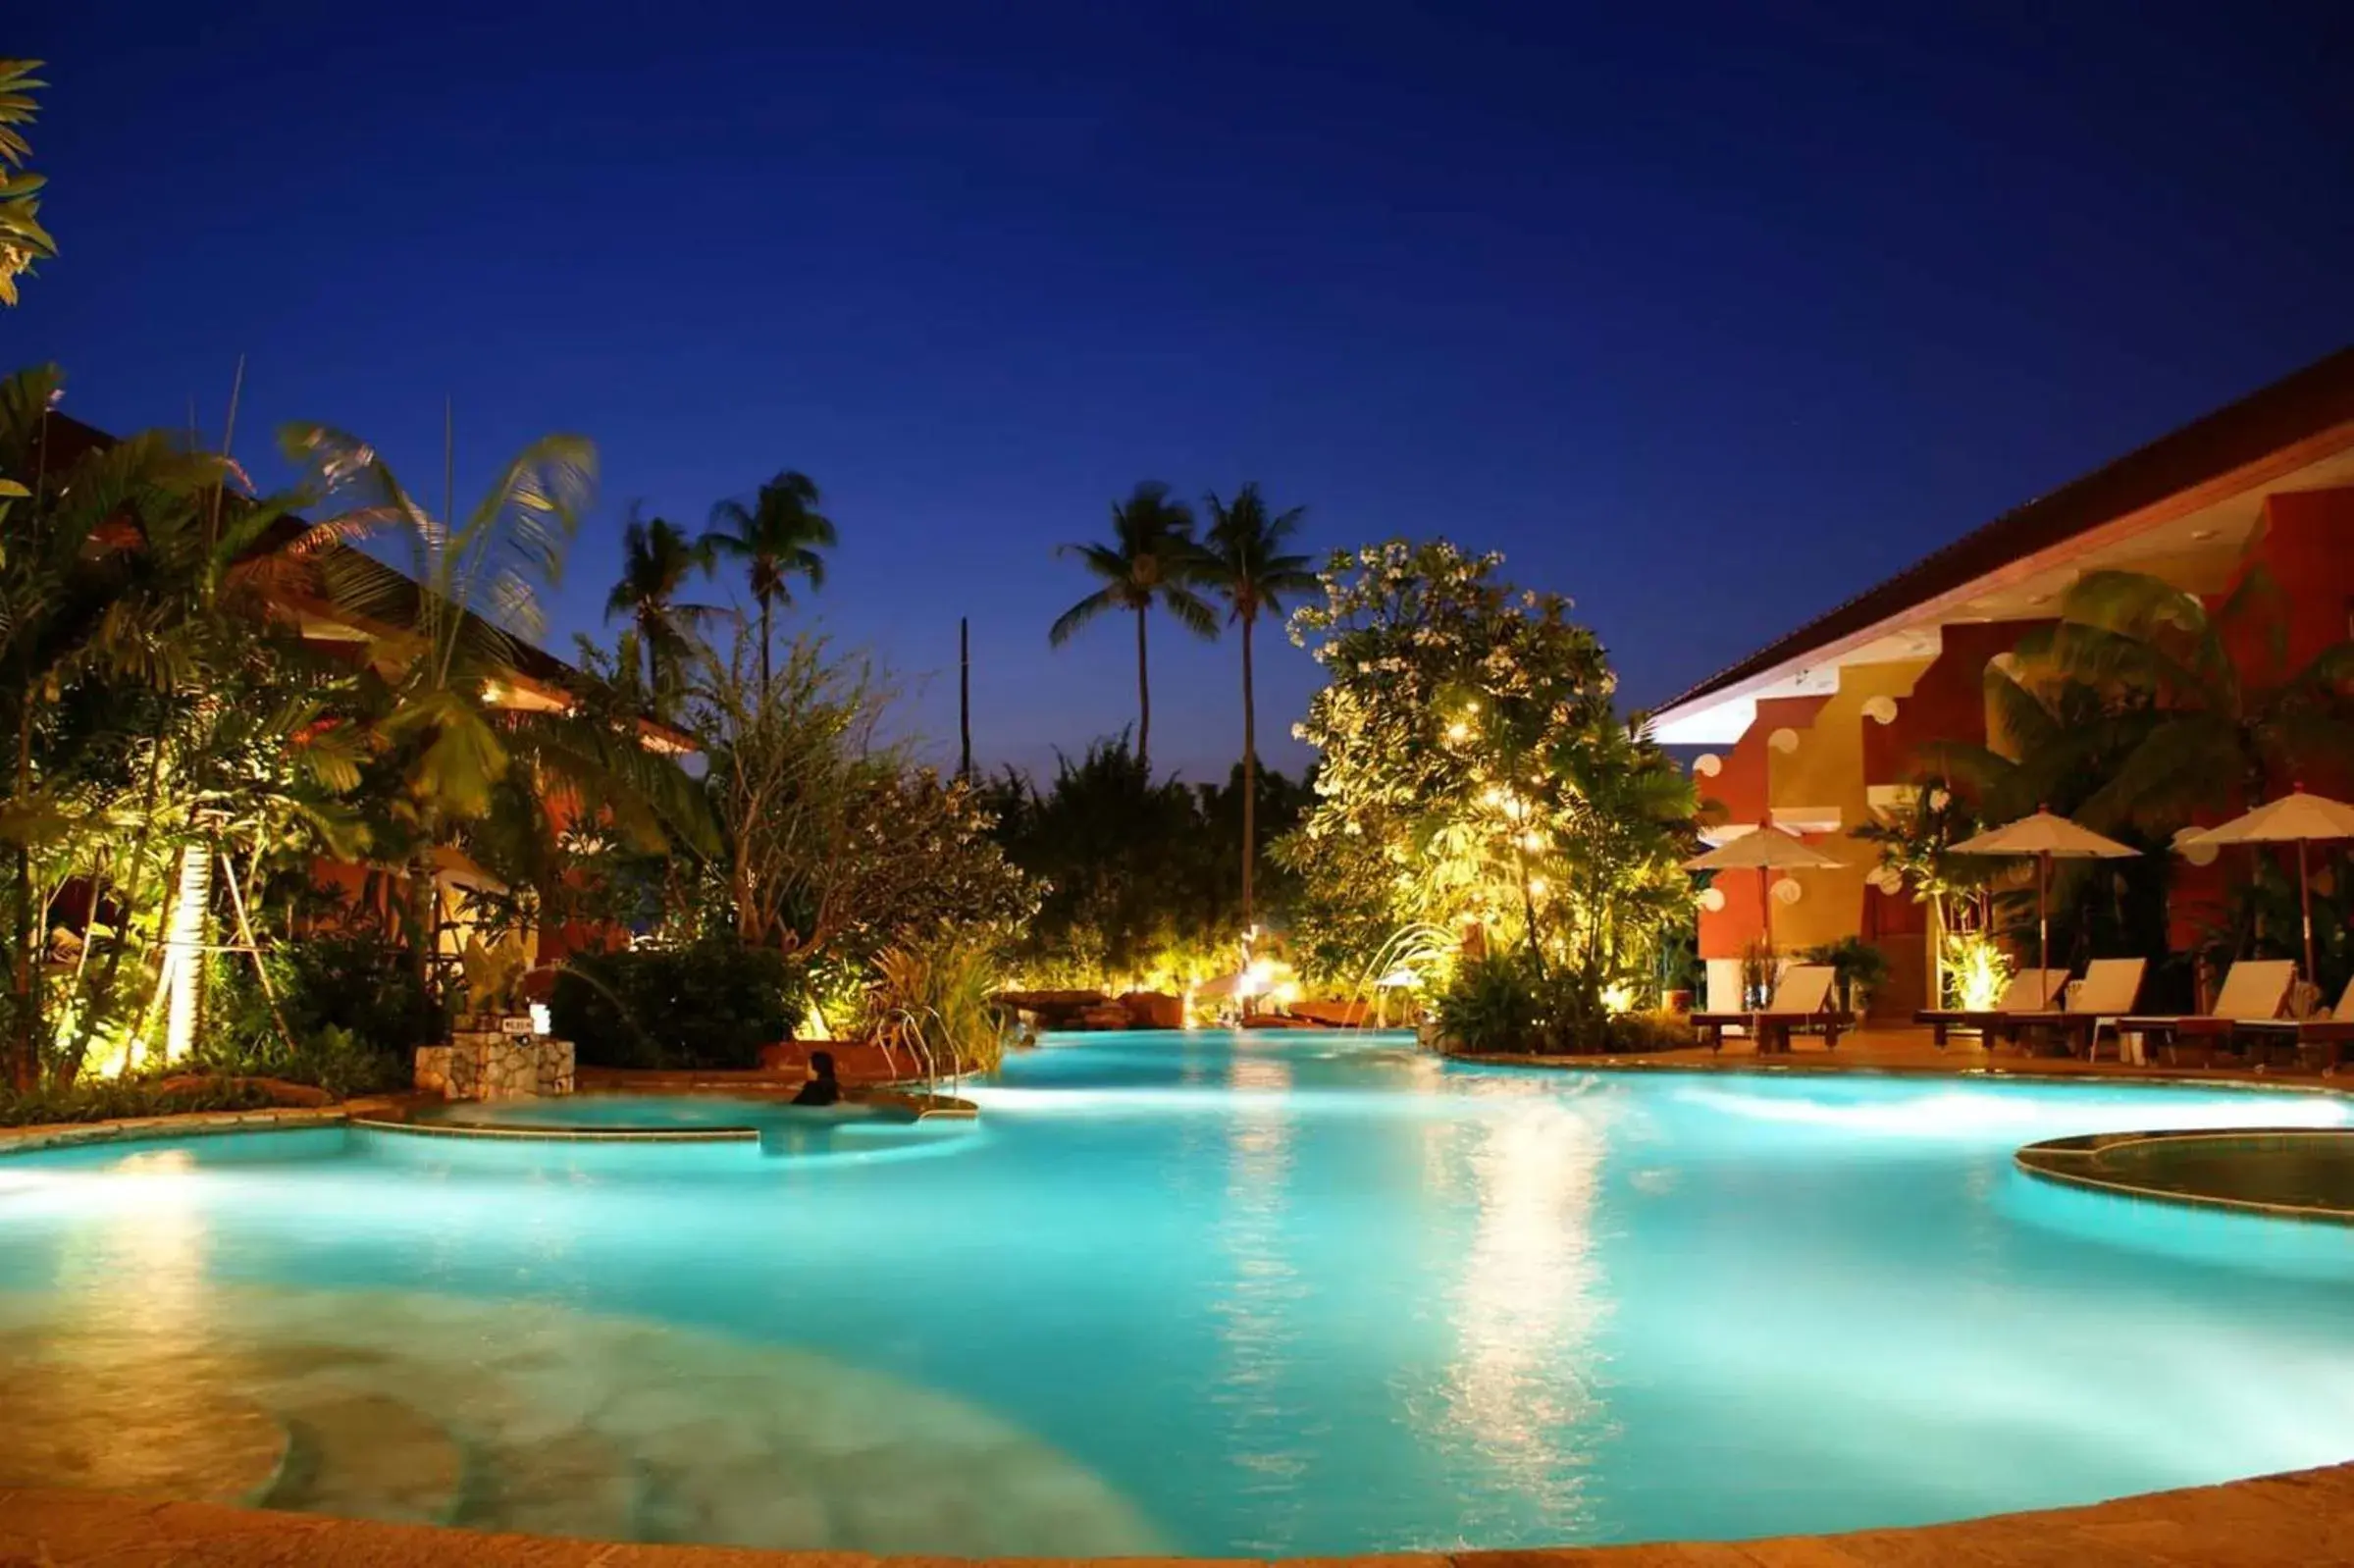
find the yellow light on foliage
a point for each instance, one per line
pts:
(1619, 998)
(1458, 731)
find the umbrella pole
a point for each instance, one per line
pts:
(2043, 914)
(2305, 905)
(1765, 925)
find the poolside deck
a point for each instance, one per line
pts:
(2301, 1518)
(1893, 1049)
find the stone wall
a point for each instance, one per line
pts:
(485, 1064)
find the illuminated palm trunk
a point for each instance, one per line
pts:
(183, 951)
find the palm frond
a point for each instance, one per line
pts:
(1080, 613)
(1188, 609)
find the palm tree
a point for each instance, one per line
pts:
(23, 239)
(455, 626)
(779, 536)
(1246, 565)
(1152, 558)
(656, 557)
(2221, 719)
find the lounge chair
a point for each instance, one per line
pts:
(2254, 990)
(2107, 992)
(1801, 1000)
(2319, 1043)
(2029, 991)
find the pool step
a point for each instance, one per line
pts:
(364, 1455)
(575, 1483)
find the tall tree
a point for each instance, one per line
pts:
(1248, 566)
(778, 537)
(1152, 558)
(23, 239)
(656, 559)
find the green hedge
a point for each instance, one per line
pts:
(709, 1005)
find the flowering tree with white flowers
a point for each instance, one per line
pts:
(1475, 775)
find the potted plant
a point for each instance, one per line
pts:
(1858, 969)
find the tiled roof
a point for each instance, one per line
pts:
(2301, 405)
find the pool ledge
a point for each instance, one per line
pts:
(185, 1124)
(2093, 1159)
(2305, 1516)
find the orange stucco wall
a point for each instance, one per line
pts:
(2307, 543)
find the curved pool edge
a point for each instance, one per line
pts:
(380, 1114)
(2077, 1162)
(2298, 1516)
(185, 1124)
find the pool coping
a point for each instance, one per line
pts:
(2302, 1516)
(180, 1125)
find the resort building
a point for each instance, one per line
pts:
(1822, 729)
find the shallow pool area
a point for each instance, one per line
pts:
(1263, 1295)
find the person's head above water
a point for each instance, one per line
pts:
(821, 1063)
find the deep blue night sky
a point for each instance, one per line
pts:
(1706, 320)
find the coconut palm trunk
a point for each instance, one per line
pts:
(1250, 777)
(1144, 702)
(25, 1042)
(1250, 566)
(767, 677)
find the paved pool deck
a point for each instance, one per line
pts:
(1907, 1050)
(2304, 1517)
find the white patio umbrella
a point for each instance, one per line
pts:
(1768, 850)
(2047, 838)
(2295, 818)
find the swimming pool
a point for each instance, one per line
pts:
(1211, 1294)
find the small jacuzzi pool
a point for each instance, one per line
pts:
(858, 1128)
(623, 1115)
(2302, 1173)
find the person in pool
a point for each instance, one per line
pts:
(823, 1089)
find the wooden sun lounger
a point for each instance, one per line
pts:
(2255, 990)
(2318, 1045)
(1800, 1001)
(2029, 991)
(2106, 990)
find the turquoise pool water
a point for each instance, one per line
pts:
(1268, 1294)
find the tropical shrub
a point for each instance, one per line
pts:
(1506, 1004)
(933, 1004)
(111, 1101)
(1490, 1006)
(1976, 969)
(708, 1004)
(350, 1011)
